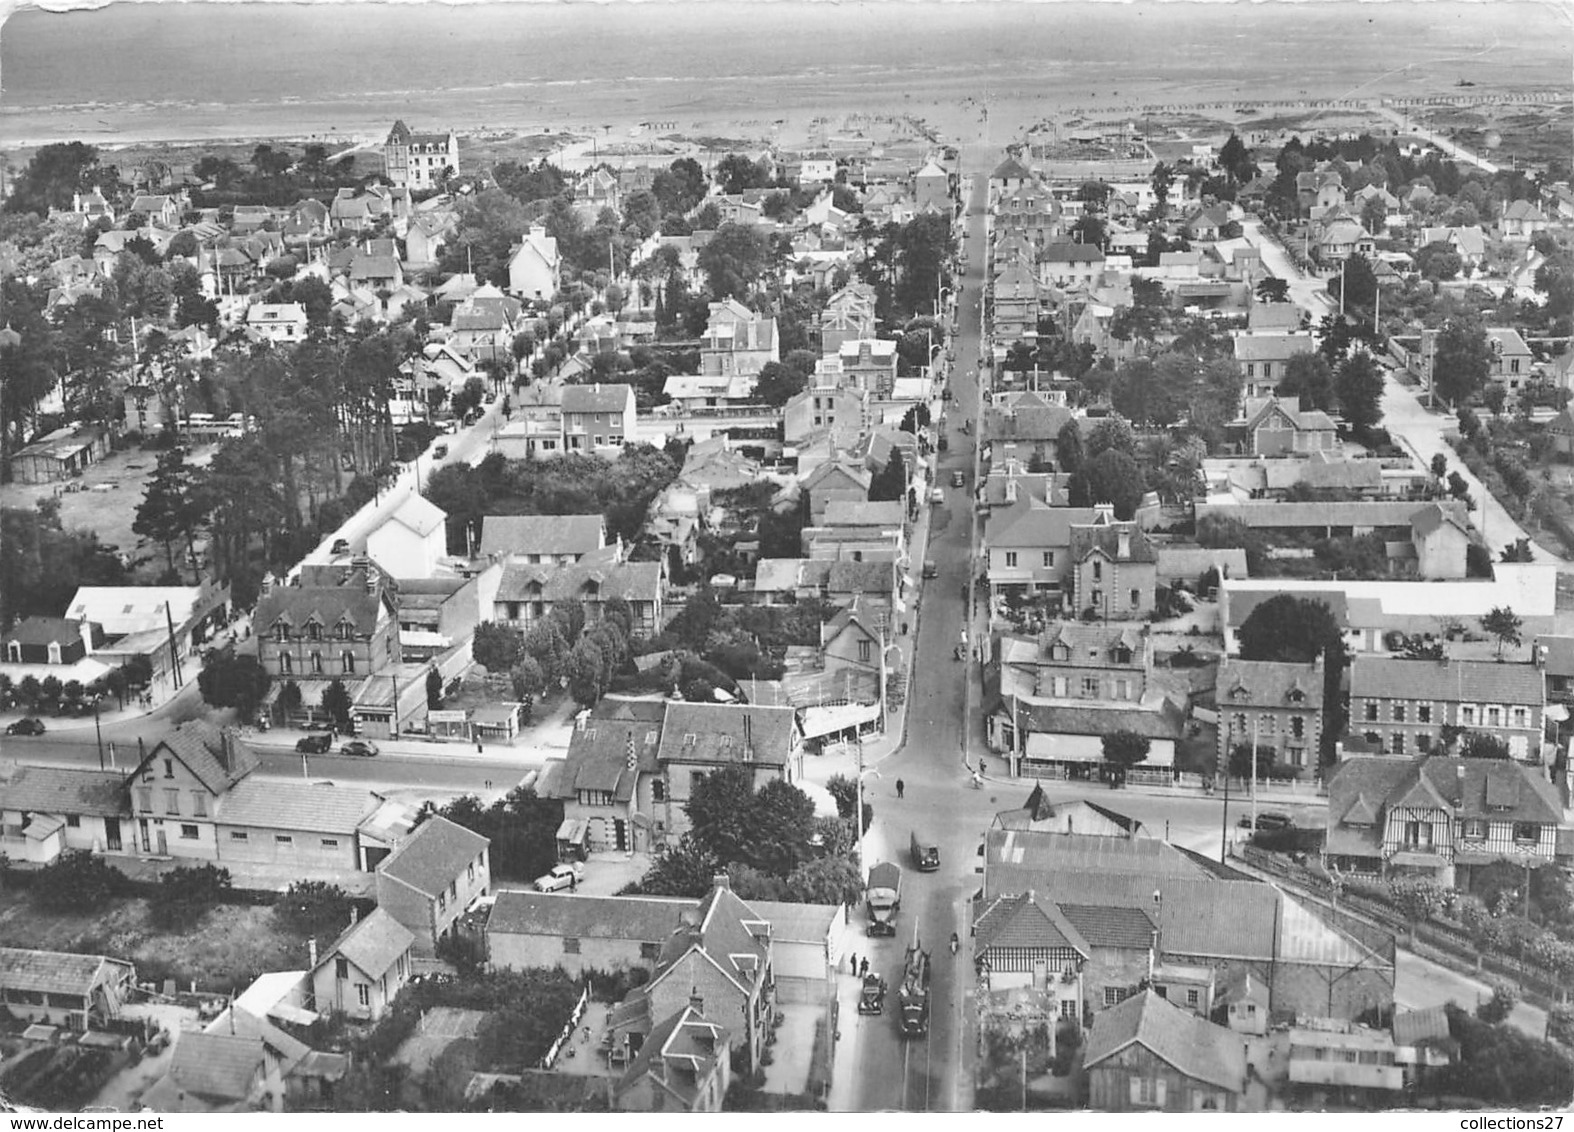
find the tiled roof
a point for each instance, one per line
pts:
(1488, 789)
(679, 1055)
(1412, 1026)
(1024, 423)
(645, 919)
(52, 972)
(542, 534)
(1062, 251)
(45, 631)
(1088, 645)
(1127, 929)
(1194, 1046)
(373, 944)
(598, 757)
(1079, 719)
(1244, 602)
(1272, 347)
(1023, 921)
(1434, 515)
(303, 806)
(419, 514)
(1011, 169)
(597, 398)
(65, 790)
(433, 856)
(1269, 683)
(632, 581)
(218, 1066)
(877, 579)
(1272, 316)
(856, 513)
(217, 761)
(1033, 524)
(1449, 681)
(1106, 537)
(715, 733)
(1065, 852)
(353, 602)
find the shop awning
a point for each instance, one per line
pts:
(572, 831)
(828, 720)
(1044, 748)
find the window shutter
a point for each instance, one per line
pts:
(1136, 1090)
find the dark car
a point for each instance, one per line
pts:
(315, 744)
(1268, 820)
(28, 726)
(359, 749)
(958, 479)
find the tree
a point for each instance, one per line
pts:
(1241, 764)
(587, 672)
(313, 908)
(684, 869)
(52, 176)
(336, 703)
(1160, 179)
(783, 819)
(170, 506)
(1480, 745)
(1438, 261)
(434, 690)
(1356, 282)
(736, 173)
(1504, 624)
(1069, 452)
(720, 812)
(1439, 465)
(1110, 477)
(240, 682)
(777, 384)
(1298, 630)
(184, 895)
(77, 881)
(845, 791)
(1461, 360)
(1272, 289)
(734, 260)
(1112, 433)
(890, 482)
(497, 648)
(1124, 750)
(1417, 900)
(1358, 385)
(1236, 160)
(1310, 378)
(1496, 1009)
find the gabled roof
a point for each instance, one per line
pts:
(45, 631)
(599, 757)
(433, 856)
(418, 514)
(1269, 346)
(1434, 515)
(1485, 789)
(302, 806)
(1265, 411)
(215, 1066)
(720, 733)
(1270, 683)
(358, 602)
(861, 513)
(524, 535)
(1067, 251)
(1105, 538)
(1447, 681)
(1011, 169)
(1025, 421)
(597, 574)
(646, 919)
(597, 398)
(1124, 929)
(373, 944)
(55, 972)
(1023, 921)
(1032, 523)
(1193, 1046)
(218, 759)
(65, 790)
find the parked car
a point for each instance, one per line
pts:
(359, 749)
(958, 479)
(315, 744)
(561, 877)
(931, 569)
(340, 546)
(440, 451)
(1268, 819)
(936, 496)
(28, 726)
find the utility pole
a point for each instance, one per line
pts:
(99, 733)
(1255, 718)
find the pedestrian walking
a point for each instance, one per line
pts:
(900, 786)
(478, 748)
(864, 970)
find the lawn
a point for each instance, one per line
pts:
(233, 944)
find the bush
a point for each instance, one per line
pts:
(314, 908)
(1497, 1008)
(184, 895)
(77, 881)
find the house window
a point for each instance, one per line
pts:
(286, 664)
(1527, 833)
(188, 832)
(239, 835)
(1069, 1008)
(1011, 559)
(199, 804)
(349, 661)
(470, 872)
(1298, 726)
(1371, 713)
(1474, 829)
(316, 664)
(73, 821)
(1424, 713)
(172, 801)
(658, 790)
(1399, 713)
(1193, 996)
(343, 631)
(341, 967)
(1090, 686)
(281, 631)
(570, 945)
(1521, 717)
(1136, 599)
(1098, 570)
(1123, 689)
(865, 650)
(284, 840)
(330, 842)
(1467, 714)
(1418, 835)
(1494, 717)
(1396, 743)
(1112, 996)
(169, 768)
(442, 901)
(363, 994)
(314, 632)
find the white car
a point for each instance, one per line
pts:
(561, 877)
(936, 495)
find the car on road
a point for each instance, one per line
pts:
(358, 748)
(937, 496)
(28, 726)
(340, 546)
(1268, 819)
(440, 451)
(315, 744)
(560, 877)
(958, 479)
(931, 570)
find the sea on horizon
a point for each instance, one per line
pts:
(201, 70)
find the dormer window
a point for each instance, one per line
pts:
(1060, 652)
(1122, 654)
(313, 631)
(281, 631)
(343, 631)
(1297, 696)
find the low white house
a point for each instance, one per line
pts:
(412, 540)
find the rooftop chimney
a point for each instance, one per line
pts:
(311, 952)
(1123, 545)
(721, 882)
(1459, 785)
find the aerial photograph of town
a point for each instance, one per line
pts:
(792, 558)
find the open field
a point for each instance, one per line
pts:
(232, 945)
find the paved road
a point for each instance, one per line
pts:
(1454, 150)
